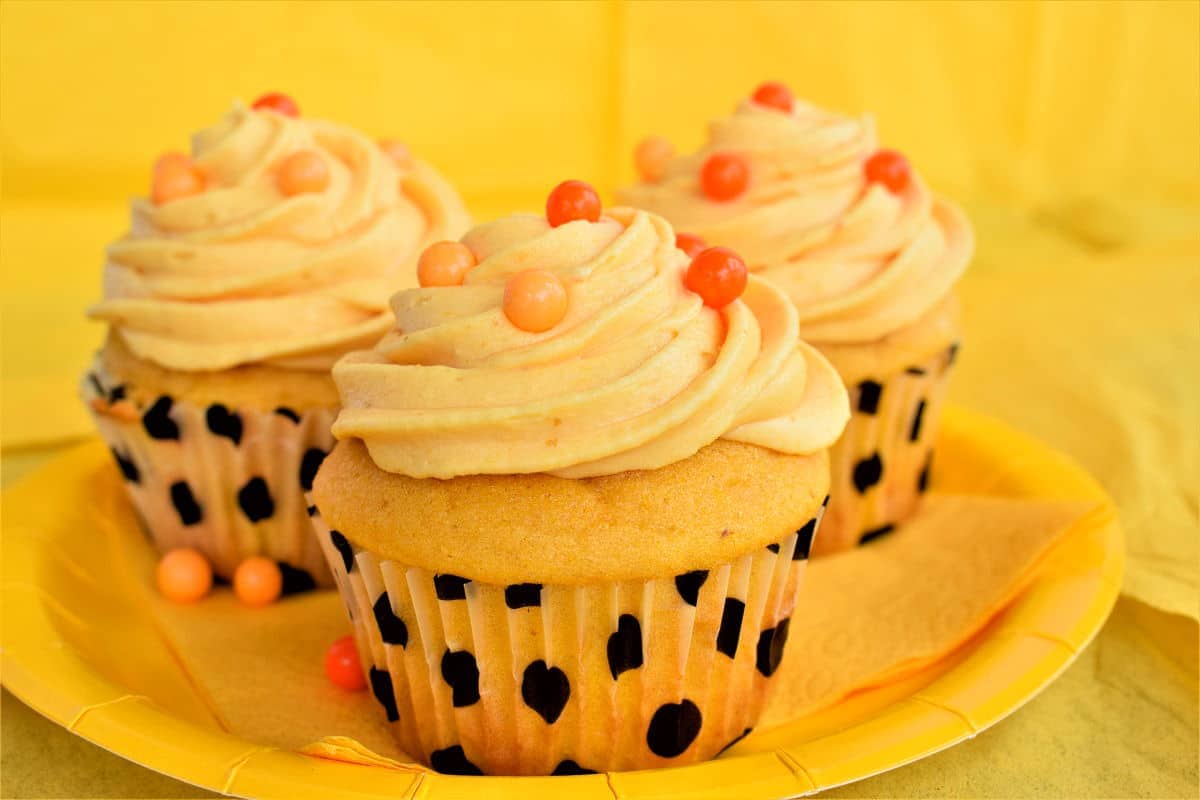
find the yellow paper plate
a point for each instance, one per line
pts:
(101, 669)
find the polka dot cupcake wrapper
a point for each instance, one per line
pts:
(880, 466)
(532, 679)
(229, 482)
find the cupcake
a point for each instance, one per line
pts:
(255, 263)
(868, 254)
(574, 493)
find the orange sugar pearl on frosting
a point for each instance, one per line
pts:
(774, 94)
(343, 667)
(724, 176)
(304, 172)
(690, 243)
(651, 157)
(279, 103)
(889, 168)
(535, 300)
(258, 582)
(175, 177)
(398, 152)
(183, 575)
(718, 275)
(572, 200)
(445, 264)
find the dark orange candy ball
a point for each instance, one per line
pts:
(774, 94)
(690, 243)
(724, 176)
(889, 168)
(342, 666)
(279, 103)
(718, 275)
(572, 200)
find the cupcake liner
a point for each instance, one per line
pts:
(532, 679)
(229, 482)
(880, 467)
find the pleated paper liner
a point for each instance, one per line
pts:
(236, 701)
(879, 469)
(229, 482)
(532, 679)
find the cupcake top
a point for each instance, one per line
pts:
(276, 243)
(850, 232)
(578, 349)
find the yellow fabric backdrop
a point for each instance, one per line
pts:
(1070, 131)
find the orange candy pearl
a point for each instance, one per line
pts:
(889, 168)
(175, 177)
(342, 666)
(773, 94)
(718, 275)
(651, 157)
(445, 264)
(398, 152)
(304, 172)
(258, 582)
(572, 200)
(724, 176)
(690, 243)
(277, 102)
(183, 575)
(535, 300)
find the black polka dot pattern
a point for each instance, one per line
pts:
(804, 540)
(915, 432)
(295, 580)
(342, 545)
(569, 767)
(876, 533)
(923, 478)
(450, 587)
(546, 690)
(952, 354)
(309, 466)
(770, 648)
(773, 547)
(867, 473)
(917, 371)
(523, 595)
(255, 500)
(312, 511)
(185, 503)
(462, 673)
(730, 632)
(736, 739)
(625, 646)
(673, 728)
(129, 470)
(453, 761)
(284, 411)
(97, 386)
(688, 585)
(222, 422)
(391, 628)
(116, 393)
(157, 420)
(385, 693)
(868, 396)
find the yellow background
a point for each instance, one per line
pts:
(1069, 131)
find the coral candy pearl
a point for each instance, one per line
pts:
(258, 582)
(398, 152)
(279, 103)
(889, 168)
(775, 95)
(718, 275)
(690, 243)
(342, 666)
(175, 177)
(304, 172)
(444, 264)
(183, 575)
(572, 200)
(651, 157)
(535, 300)
(724, 176)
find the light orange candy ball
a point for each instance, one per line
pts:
(398, 152)
(535, 300)
(651, 157)
(258, 582)
(184, 575)
(304, 172)
(445, 264)
(175, 177)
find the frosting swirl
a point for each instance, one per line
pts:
(858, 261)
(638, 375)
(241, 274)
